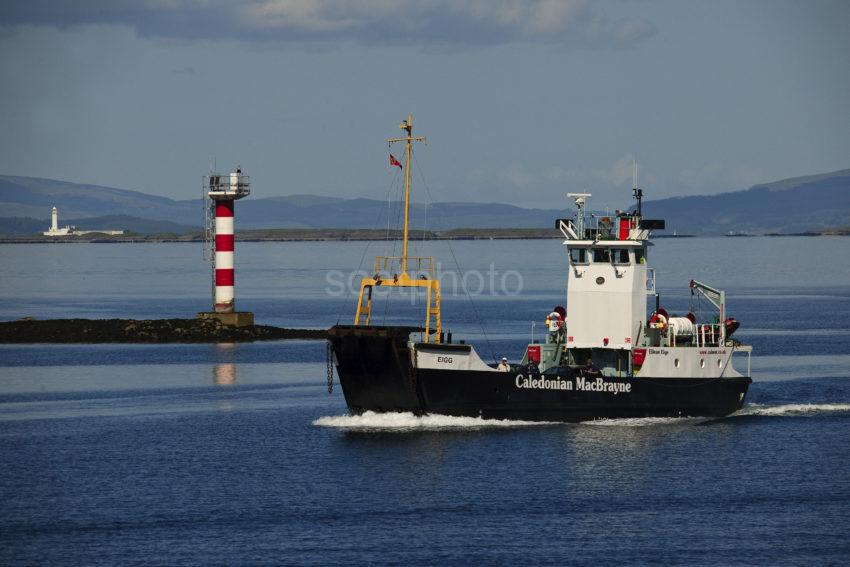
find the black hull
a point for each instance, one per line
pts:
(496, 396)
(376, 365)
(376, 374)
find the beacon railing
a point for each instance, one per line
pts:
(228, 184)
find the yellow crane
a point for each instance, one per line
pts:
(395, 271)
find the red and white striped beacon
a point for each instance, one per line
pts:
(223, 190)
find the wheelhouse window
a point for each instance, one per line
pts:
(601, 255)
(578, 255)
(620, 255)
(640, 256)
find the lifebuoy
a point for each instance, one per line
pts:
(658, 320)
(554, 321)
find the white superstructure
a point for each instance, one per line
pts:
(608, 285)
(607, 281)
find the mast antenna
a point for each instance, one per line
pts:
(407, 126)
(636, 191)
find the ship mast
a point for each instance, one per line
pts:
(407, 126)
(395, 271)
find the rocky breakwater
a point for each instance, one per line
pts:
(143, 331)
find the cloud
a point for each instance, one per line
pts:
(184, 71)
(375, 22)
(618, 175)
(715, 177)
(611, 186)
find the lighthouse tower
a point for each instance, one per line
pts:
(223, 190)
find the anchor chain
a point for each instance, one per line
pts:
(330, 361)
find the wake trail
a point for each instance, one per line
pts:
(406, 421)
(792, 409)
(647, 421)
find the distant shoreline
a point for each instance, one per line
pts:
(152, 331)
(358, 235)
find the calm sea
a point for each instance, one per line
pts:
(237, 454)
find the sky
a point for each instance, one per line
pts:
(521, 101)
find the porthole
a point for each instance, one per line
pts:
(676, 363)
(702, 363)
(600, 280)
(719, 364)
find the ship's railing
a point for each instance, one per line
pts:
(568, 229)
(599, 227)
(608, 227)
(749, 352)
(391, 266)
(603, 227)
(707, 335)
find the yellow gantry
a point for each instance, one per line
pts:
(395, 271)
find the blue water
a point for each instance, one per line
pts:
(236, 454)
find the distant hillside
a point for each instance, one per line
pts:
(800, 204)
(32, 198)
(288, 212)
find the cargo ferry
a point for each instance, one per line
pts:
(605, 354)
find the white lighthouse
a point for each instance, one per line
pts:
(54, 229)
(223, 190)
(67, 230)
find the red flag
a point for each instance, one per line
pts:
(394, 161)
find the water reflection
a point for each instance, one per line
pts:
(224, 369)
(224, 374)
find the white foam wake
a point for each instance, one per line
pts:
(398, 421)
(406, 421)
(647, 421)
(792, 409)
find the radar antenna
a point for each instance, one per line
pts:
(581, 200)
